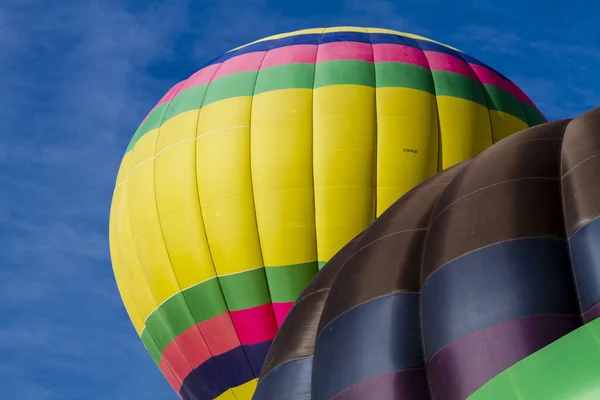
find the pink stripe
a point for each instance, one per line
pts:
(299, 53)
(345, 51)
(281, 311)
(445, 62)
(490, 77)
(202, 77)
(166, 98)
(399, 53)
(255, 325)
(241, 63)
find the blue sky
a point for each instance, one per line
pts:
(76, 77)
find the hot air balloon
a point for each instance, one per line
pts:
(483, 282)
(250, 174)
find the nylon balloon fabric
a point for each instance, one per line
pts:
(247, 177)
(480, 283)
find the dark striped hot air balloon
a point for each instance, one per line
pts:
(483, 282)
(250, 174)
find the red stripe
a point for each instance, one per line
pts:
(199, 343)
(175, 367)
(255, 325)
(281, 311)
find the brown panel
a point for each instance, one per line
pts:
(532, 153)
(581, 170)
(296, 337)
(509, 192)
(388, 255)
(297, 334)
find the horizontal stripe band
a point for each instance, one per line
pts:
(249, 300)
(463, 366)
(494, 284)
(585, 255)
(290, 381)
(406, 384)
(565, 369)
(371, 339)
(307, 76)
(248, 59)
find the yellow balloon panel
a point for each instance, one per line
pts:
(256, 170)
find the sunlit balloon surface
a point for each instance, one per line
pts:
(481, 283)
(251, 174)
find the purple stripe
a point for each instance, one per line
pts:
(463, 366)
(592, 313)
(409, 384)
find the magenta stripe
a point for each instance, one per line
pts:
(408, 384)
(345, 51)
(489, 77)
(241, 63)
(301, 53)
(281, 311)
(446, 62)
(387, 52)
(255, 325)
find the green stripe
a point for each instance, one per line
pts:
(501, 100)
(245, 290)
(534, 116)
(188, 100)
(287, 76)
(455, 85)
(290, 76)
(154, 351)
(321, 264)
(344, 72)
(216, 296)
(287, 282)
(229, 86)
(568, 368)
(395, 74)
(184, 310)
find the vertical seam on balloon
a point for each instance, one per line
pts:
(197, 144)
(119, 230)
(376, 148)
(422, 283)
(172, 271)
(487, 97)
(252, 189)
(564, 215)
(440, 156)
(152, 295)
(312, 121)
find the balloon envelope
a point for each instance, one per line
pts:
(249, 175)
(480, 283)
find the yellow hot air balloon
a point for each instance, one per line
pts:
(249, 175)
